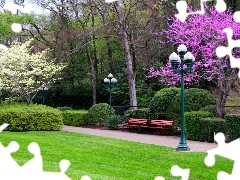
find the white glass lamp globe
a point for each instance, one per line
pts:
(106, 80)
(114, 80)
(174, 56)
(182, 47)
(110, 76)
(189, 55)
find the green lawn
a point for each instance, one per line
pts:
(106, 158)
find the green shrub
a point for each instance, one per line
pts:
(171, 90)
(113, 122)
(64, 108)
(160, 103)
(135, 113)
(195, 99)
(232, 126)
(210, 108)
(23, 117)
(144, 99)
(193, 125)
(74, 117)
(210, 125)
(98, 114)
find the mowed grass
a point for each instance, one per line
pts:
(111, 159)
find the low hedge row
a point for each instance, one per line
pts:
(201, 125)
(74, 117)
(193, 124)
(232, 126)
(209, 126)
(23, 117)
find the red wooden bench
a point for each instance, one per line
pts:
(159, 124)
(135, 123)
(143, 124)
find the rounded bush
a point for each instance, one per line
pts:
(98, 114)
(160, 103)
(171, 90)
(195, 99)
(135, 113)
(23, 117)
(113, 122)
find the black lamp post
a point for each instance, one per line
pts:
(188, 59)
(110, 83)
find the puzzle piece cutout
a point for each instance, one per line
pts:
(229, 151)
(236, 16)
(182, 9)
(177, 171)
(222, 51)
(33, 169)
(86, 178)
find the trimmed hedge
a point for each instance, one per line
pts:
(192, 123)
(98, 114)
(135, 113)
(23, 117)
(74, 117)
(209, 126)
(64, 108)
(195, 99)
(232, 126)
(160, 102)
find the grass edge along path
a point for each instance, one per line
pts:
(111, 159)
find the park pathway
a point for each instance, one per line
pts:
(169, 141)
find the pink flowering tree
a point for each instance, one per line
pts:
(202, 34)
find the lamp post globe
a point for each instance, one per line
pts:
(183, 58)
(43, 90)
(110, 83)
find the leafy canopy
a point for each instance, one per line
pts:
(201, 34)
(22, 71)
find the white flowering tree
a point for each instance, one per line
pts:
(22, 72)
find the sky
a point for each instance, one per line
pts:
(35, 8)
(30, 8)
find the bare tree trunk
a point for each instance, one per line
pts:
(92, 73)
(224, 87)
(221, 97)
(130, 72)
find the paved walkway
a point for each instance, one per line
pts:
(169, 141)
